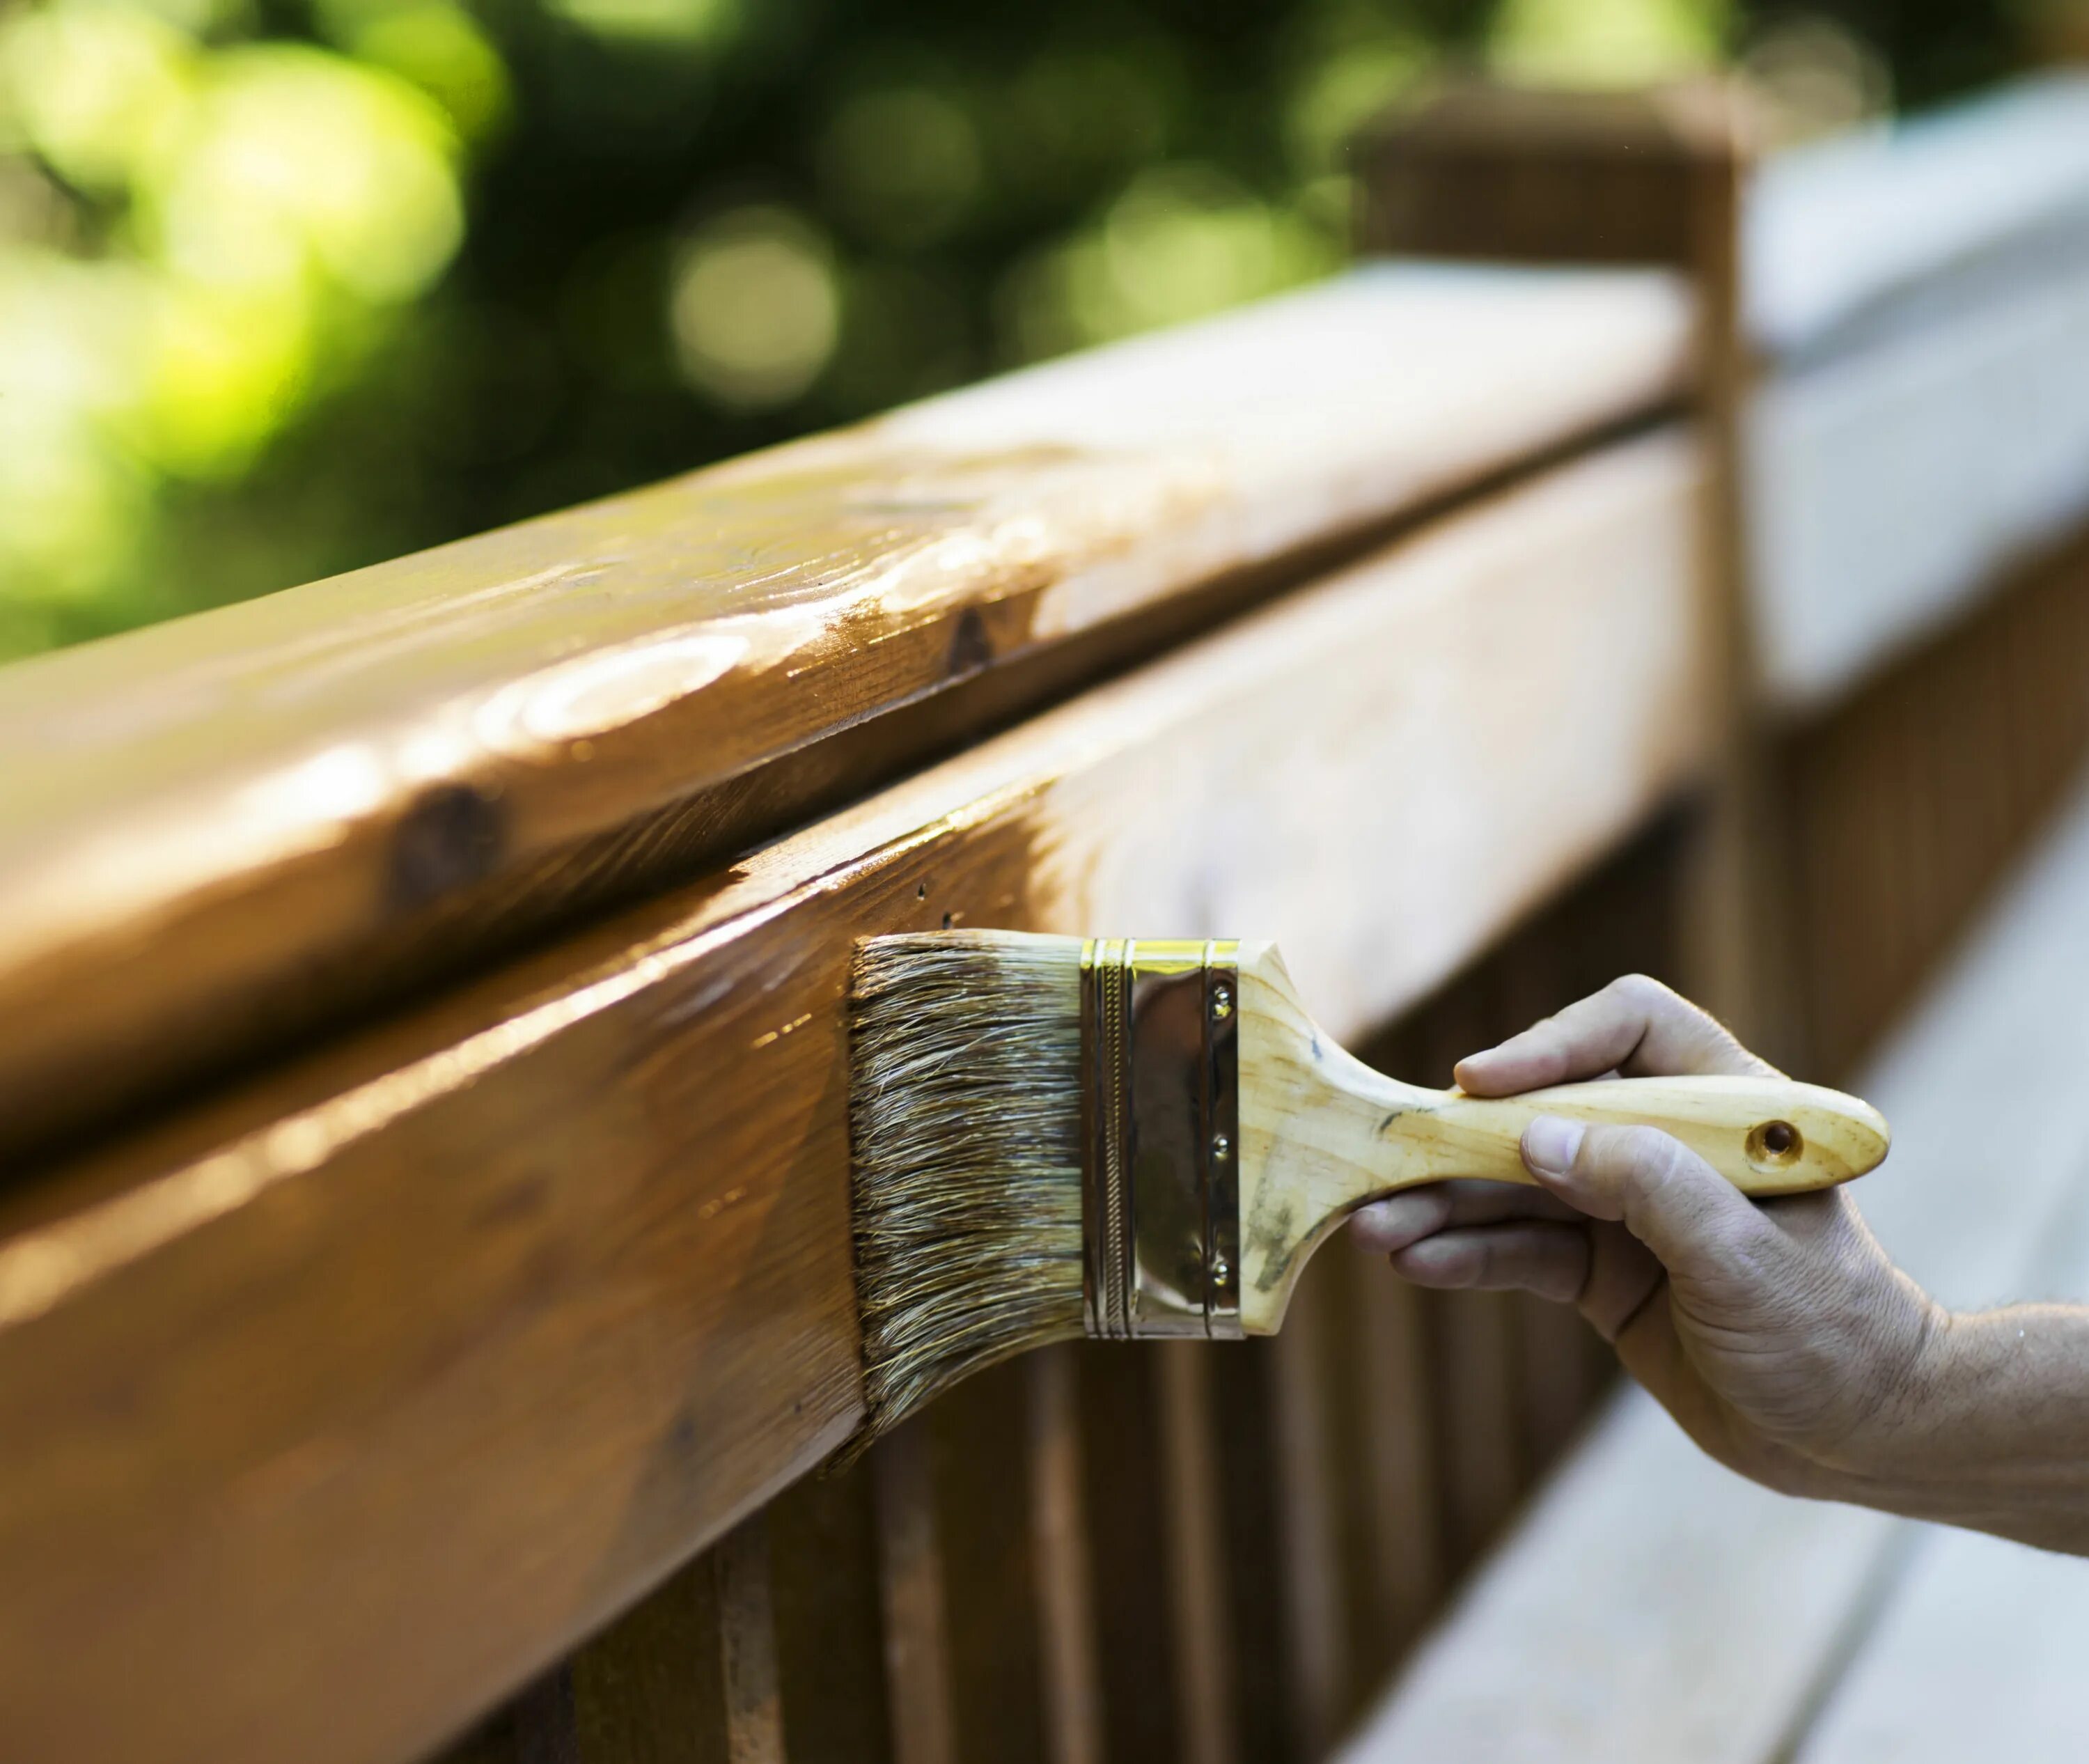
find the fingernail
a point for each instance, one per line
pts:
(1549, 1143)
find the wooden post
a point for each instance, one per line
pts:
(1651, 177)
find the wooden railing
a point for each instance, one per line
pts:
(421, 1056)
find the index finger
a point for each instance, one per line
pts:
(1634, 1026)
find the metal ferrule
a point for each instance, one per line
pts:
(1160, 1132)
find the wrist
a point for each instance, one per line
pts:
(1913, 1373)
(1924, 1456)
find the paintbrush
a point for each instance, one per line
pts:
(1054, 1138)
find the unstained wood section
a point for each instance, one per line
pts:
(216, 830)
(499, 1312)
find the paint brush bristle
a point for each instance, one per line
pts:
(965, 1124)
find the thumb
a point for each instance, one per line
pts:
(1669, 1198)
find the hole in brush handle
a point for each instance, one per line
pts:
(1774, 1145)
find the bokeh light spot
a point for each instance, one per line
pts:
(693, 24)
(300, 162)
(755, 307)
(903, 163)
(1607, 43)
(433, 45)
(100, 89)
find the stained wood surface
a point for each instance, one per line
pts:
(1654, 1605)
(229, 827)
(1070, 1670)
(1202, 1648)
(500, 1311)
(1912, 800)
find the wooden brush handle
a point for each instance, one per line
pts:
(1321, 1134)
(1765, 1135)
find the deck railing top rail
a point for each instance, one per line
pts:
(1841, 229)
(238, 823)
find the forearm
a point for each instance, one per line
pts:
(1993, 1431)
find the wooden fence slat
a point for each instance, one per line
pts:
(1316, 1631)
(567, 1255)
(541, 1721)
(651, 1688)
(1402, 1551)
(916, 1626)
(252, 822)
(826, 1591)
(1126, 1497)
(1066, 1615)
(746, 1636)
(986, 1534)
(1198, 1584)
(1260, 1706)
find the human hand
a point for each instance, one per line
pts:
(1778, 1333)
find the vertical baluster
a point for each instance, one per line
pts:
(1402, 1551)
(1479, 1419)
(824, 1586)
(911, 1583)
(542, 1721)
(1316, 1628)
(747, 1653)
(983, 1469)
(1065, 1602)
(651, 1688)
(1126, 1498)
(1197, 1554)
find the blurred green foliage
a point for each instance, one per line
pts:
(290, 285)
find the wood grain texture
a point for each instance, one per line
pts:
(237, 823)
(1491, 169)
(499, 1312)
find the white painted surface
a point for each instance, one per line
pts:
(1889, 486)
(1934, 280)
(1834, 228)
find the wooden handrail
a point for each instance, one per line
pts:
(242, 824)
(1842, 234)
(492, 1315)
